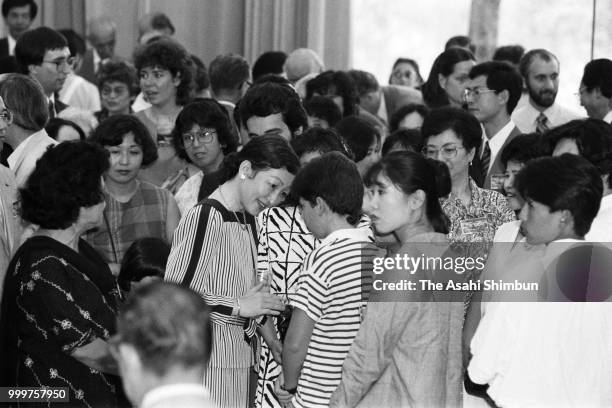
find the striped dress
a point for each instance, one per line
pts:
(284, 242)
(330, 293)
(214, 253)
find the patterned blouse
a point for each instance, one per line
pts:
(55, 301)
(477, 222)
(143, 216)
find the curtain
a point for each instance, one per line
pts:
(211, 27)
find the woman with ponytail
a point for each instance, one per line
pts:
(408, 349)
(214, 252)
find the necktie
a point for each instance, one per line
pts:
(485, 159)
(541, 123)
(51, 110)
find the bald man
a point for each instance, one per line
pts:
(101, 36)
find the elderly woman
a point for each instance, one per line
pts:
(452, 136)
(134, 209)
(118, 85)
(59, 303)
(553, 352)
(448, 78)
(166, 80)
(202, 137)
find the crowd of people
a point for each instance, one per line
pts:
(173, 234)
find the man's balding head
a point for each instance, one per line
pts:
(302, 62)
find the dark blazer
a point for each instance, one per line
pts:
(87, 70)
(4, 48)
(397, 96)
(497, 167)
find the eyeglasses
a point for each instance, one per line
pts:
(62, 63)
(118, 91)
(475, 93)
(448, 151)
(203, 136)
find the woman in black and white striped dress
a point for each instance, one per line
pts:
(214, 252)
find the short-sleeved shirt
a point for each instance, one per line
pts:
(330, 293)
(477, 222)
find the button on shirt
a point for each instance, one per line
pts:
(526, 116)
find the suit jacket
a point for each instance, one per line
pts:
(59, 106)
(496, 168)
(4, 47)
(397, 96)
(87, 70)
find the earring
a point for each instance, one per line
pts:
(242, 177)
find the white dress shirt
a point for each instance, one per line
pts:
(608, 117)
(11, 45)
(23, 160)
(525, 117)
(601, 228)
(497, 141)
(177, 395)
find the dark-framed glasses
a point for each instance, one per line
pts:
(447, 151)
(204, 136)
(62, 63)
(475, 92)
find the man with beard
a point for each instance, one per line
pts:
(540, 70)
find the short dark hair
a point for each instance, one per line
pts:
(145, 257)
(264, 152)
(501, 76)
(409, 139)
(119, 71)
(323, 108)
(201, 79)
(76, 44)
(523, 148)
(33, 44)
(55, 124)
(528, 58)
(338, 83)
(359, 135)
(113, 129)
(404, 111)
(567, 182)
(25, 98)
(160, 21)
(464, 125)
(365, 82)
(277, 79)
(270, 62)
(415, 65)
(228, 71)
(510, 53)
(460, 41)
(268, 98)
(168, 325)
(66, 178)
(598, 74)
(204, 113)
(319, 140)
(322, 176)
(433, 94)
(593, 138)
(7, 5)
(410, 171)
(172, 56)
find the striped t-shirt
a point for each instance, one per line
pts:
(330, 293)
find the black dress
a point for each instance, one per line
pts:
(56, 300)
